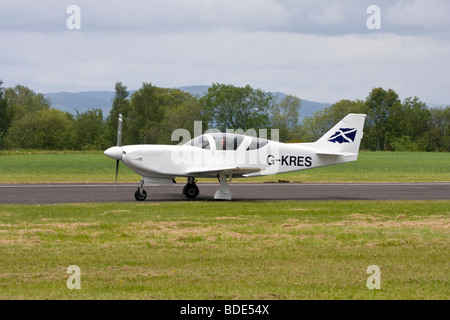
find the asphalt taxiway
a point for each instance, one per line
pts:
(90, 193)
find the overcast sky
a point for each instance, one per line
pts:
(317, 50)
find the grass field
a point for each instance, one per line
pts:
(217, 250)
(38, 167)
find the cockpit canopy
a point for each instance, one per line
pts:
(226, 141)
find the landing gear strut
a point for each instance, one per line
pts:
(190, 190)
(140, 194)
(223, 193)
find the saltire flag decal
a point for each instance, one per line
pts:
(343, 135)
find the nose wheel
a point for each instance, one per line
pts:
(140, 194)
(190, 190)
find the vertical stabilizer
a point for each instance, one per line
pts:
(344, 138)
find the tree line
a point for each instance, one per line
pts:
(151, 114)
(391, 124)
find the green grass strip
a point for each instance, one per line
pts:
(44, 167)
(211, 250)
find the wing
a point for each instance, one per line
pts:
(208, 172)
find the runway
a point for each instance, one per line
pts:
(90, 193)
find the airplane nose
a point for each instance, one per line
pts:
(114, 153)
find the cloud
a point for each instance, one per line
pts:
(421, 13)
(331, 15)
(324, 17)
(318, 50)
(144, 17)
(311, 66)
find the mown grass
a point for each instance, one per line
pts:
(217, 250)
(48, 167)
(35, 167)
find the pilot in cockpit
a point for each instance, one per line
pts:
(223, 143)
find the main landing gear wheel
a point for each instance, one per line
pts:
(190, 190)
(140, 196)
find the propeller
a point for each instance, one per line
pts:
(119, 140)
(119, 131)
(117, 151)
(117, 170)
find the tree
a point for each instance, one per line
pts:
(121, 104)
(408, 126)
(440, 128)
(181, 115)
(5, 116)
(145, 115)
(230, 107)
(380, 106)
(88, 129)
(314, 127)
(285, 117)
(15, 103)
(44, 129)
(154, 113)
(23, 100)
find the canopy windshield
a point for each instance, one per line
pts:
(226, 141)
(222, 141)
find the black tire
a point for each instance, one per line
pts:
(191, 191)
(140, 196)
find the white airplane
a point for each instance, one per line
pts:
(227, 155)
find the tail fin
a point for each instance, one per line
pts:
(343, 139)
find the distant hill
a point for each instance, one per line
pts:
(198, 91)
(307, 107)
(83, 101)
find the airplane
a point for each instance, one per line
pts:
(227, 155)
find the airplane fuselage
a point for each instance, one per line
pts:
(226, 155)
(170, 161)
